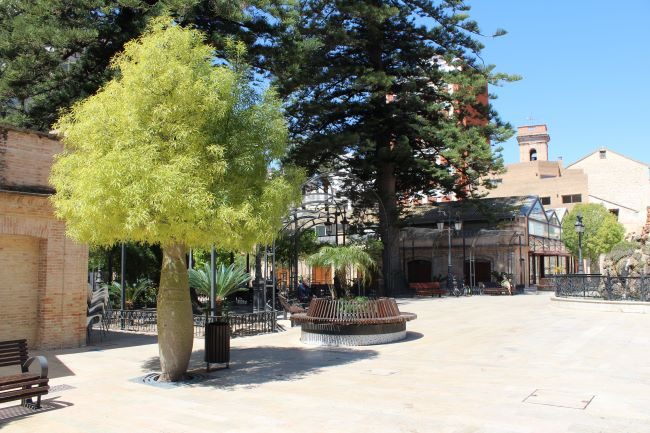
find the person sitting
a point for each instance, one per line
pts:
(303, 290)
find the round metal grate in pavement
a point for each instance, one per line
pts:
(190, 378)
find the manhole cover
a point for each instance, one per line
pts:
(62, 387)
(152, 379)
(566, 399)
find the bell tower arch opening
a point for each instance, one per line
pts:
(533, 143)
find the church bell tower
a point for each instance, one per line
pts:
(533, 143)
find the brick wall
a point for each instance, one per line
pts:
(26, 158)
(19, 278)
(43, 273)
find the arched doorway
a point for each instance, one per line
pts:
(419, 271)
(482, 270)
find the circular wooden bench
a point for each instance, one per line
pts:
(344, 322)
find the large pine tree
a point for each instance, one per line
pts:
(391, 92)
(56, 52)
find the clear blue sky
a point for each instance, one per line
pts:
(586, 69)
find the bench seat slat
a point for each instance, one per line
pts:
(13, 348)
(17, 378)
(38, 381)
(10, 362)
(24, 393)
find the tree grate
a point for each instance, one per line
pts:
(151, 379)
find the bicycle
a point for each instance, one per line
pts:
(457, 292)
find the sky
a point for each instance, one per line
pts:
(585, 67)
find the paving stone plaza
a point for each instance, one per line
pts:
(492, 364)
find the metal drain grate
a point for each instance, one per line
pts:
(152, 380)
(62, 387)
(565, 399)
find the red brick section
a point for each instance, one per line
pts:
(43, 273)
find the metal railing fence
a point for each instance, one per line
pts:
(145, 321)
(598, 286)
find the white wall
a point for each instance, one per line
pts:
(618, 183)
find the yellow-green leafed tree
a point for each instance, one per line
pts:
(176, 150)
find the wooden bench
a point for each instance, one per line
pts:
(25, 385)
(491, 288)
(428, 289)
(290, 308)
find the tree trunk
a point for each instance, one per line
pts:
(389, 230)
(175, 321)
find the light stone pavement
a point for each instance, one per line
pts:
(467, 366)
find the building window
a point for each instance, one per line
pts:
(573, 198)
(495, 182)
(615, 212)
(545, 200)
(533, 155)
(603, 154)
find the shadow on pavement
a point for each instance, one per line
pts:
(119, 339)
(113, 340)
(14, 413)
(250, 367)
(411, 336)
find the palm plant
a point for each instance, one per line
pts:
(344, 260)
(229, 280)
(142, 290)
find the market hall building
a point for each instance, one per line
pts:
(512, 235)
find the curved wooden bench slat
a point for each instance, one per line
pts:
(343, 311)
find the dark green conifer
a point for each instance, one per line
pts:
(392, 92)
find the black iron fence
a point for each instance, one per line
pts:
(598, 286)
(262, 322)
(145, 321)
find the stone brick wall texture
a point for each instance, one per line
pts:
(619, 183)
(542, 178)
(43, 273)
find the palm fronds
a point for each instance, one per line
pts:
(143, 288)
(229, 279)
(344, 259)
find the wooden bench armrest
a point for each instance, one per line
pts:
(42, 362)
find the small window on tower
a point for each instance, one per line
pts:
(603, 154)
(533, 155)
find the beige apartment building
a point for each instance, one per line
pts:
(43, 274)
(620, 183)
(534, 174)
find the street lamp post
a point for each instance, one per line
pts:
(458, 225)
(580, 229)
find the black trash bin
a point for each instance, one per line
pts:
(217, 343)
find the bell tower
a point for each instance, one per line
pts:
(533, 143)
